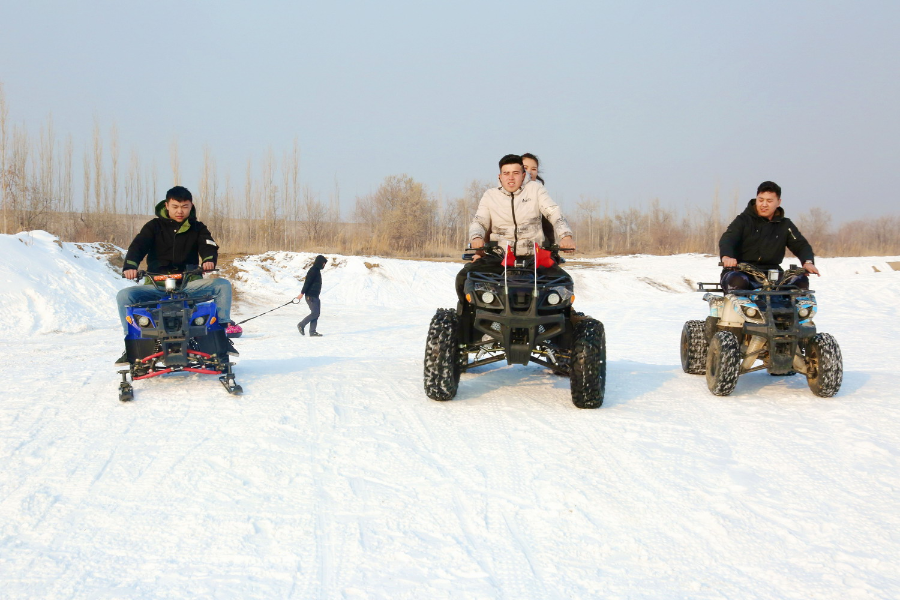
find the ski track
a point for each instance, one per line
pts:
(333, 476)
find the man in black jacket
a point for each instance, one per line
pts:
(173, 242)
(312, 287)
(759, 235)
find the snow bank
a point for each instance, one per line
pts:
(275, 277)
(48, 285)
(371, 281)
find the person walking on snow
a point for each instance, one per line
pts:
(312, 287)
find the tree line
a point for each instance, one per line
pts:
(272, 209)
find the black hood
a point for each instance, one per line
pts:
(751, 210)
(320, 261)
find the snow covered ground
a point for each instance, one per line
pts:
(333, 476)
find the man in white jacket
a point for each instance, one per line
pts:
(512, 214)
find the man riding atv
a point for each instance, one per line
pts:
(764, 315)
(758, 237)
(512, 214)
(174, 242)
(515, 303)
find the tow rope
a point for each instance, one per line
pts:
(291, 301)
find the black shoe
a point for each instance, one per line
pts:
(123, 360)
(300, 328)
(315, 334)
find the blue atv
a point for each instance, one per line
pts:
(175, 334)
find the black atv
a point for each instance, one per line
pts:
(176, 333)
(522, 315)
(771, 323)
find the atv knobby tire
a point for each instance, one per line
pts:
(694, 347)
(723, 363)
(442, 355)
(588, 378)
(825, 366)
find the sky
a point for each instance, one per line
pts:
(622, 101)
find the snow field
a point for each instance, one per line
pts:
(333, 476)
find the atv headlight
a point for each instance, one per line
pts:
(199, 321)
(749, 310)
(487, 297)
(553, 298)
(804, 312)
(143, 321)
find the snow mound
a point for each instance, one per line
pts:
(275, 277)
(48, 286)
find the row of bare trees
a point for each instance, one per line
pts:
(272, 209)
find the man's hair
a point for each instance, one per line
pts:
(769, 186)
(180, 193)
(511, 159)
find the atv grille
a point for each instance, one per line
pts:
(784, 318)
(520, 300)
(172, 324)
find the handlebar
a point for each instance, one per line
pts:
(494, 247)
(158, 279)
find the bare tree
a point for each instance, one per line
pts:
(175, 161)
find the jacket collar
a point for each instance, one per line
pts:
(162, 213)
(513, 194)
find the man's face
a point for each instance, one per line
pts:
(766, 203)
(511, 177)
(179, 210)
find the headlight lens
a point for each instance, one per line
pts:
(804, 312)
(553, 298)
(750, 311)
(487, 297)
(143, 321)
(199, 321)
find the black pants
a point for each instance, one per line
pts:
(313, 317)
(736, 280)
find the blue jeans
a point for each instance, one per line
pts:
(219, 289)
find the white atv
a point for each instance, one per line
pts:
(771, 325)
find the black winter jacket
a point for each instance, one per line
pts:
(171, 246)
(312, 287)
(761, 242)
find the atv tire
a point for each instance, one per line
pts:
(723, 363)
(442, 356)
(588, 374)
(694, 347)
(825, 366)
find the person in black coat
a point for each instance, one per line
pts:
(759, 236)
(312, 287)
(174, 242)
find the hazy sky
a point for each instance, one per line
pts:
(626, 101)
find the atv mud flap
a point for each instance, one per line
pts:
(783, 343)
(214, 343)
(519, 334)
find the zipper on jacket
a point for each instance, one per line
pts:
(792, 233)
(512, 205)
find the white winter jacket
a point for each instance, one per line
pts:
(516, 218)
